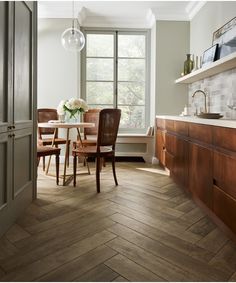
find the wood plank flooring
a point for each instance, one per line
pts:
(145, 229)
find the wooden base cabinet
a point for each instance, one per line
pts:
(200, 173)
(202, 159)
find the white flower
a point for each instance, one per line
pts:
(60, 108)
(73, 106)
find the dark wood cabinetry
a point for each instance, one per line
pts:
(202, 159)
(200, 173)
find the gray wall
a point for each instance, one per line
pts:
(172, 46)
(57, 68)
(211, 17)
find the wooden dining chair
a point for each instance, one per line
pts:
(45, 135)
(43, 151)
(90, 134)
(108, 126)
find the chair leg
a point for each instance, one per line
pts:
(74, 169)
(114, 170)
(68, 156)
(57, 167)
(98, 174)
(43, 163)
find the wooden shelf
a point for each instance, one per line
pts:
(219, 66)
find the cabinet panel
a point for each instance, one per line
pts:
(160, 146)
(3, 169)
(170, 125)
(200, 173)
(22, 151)
(160, 123)
(3, 65)
(225, 208)
(22, 57)
(224, 173)
(202, 133)
(170, 143)
(181, 128)
(224, 138)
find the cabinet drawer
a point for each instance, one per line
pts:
(170, 125)
(224, 207)
(160, 123)
(224, 169)
(181, 128)
(225, 138)
(203, 133)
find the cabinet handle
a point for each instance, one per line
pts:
(9, 127)
(11, 135)
(13, 127)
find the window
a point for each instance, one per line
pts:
(114, 75)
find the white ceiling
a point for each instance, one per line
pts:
(120, 13)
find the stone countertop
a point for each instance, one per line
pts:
(192, 119)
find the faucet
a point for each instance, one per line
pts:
(205, 96)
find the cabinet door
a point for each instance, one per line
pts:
(200, 173)
(160, 146)
(180, 168)
(4, 9)
(224, 206)
(22, 111)
(5, 180)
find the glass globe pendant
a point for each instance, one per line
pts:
(72, 39)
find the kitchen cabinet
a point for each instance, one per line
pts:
(18, 30)
(202, 159)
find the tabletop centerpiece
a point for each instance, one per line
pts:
(70, 109)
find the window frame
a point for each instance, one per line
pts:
(120, 31)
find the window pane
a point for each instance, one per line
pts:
(132, 117)
(99, 93)
(100, 45)
(101, 106)
(131, 70)
(100, 69)
(131, 93)
(131, 45)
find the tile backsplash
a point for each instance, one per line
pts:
(221, 91)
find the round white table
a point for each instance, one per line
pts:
(67, 126)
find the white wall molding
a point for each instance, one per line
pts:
(193, 8)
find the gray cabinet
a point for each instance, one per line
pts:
(18, 30)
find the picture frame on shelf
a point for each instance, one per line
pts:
(209, 55)
(225, 37)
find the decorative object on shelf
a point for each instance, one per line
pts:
(209, 55)
(188, 65)
(73, 107)
(226, 39)
(72, 39)
(195, 68)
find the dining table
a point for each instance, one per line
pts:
(67, 126)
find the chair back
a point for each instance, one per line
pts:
(45, 115)
(109, 120)
(91, 116)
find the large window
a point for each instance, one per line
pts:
(115, 75)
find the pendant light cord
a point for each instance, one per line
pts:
(73, 13)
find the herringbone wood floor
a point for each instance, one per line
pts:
(146, 229)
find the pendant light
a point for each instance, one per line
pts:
(72, 39)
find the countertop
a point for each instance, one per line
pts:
(192, 119)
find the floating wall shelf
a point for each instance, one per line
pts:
(226, 63)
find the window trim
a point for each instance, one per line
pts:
(114, 31)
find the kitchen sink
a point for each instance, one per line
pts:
(210, 115)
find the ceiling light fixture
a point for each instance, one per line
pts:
(72, 39)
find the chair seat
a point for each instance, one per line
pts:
(48, 141)
(92, 151)
(86, 142)
(46, 150)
